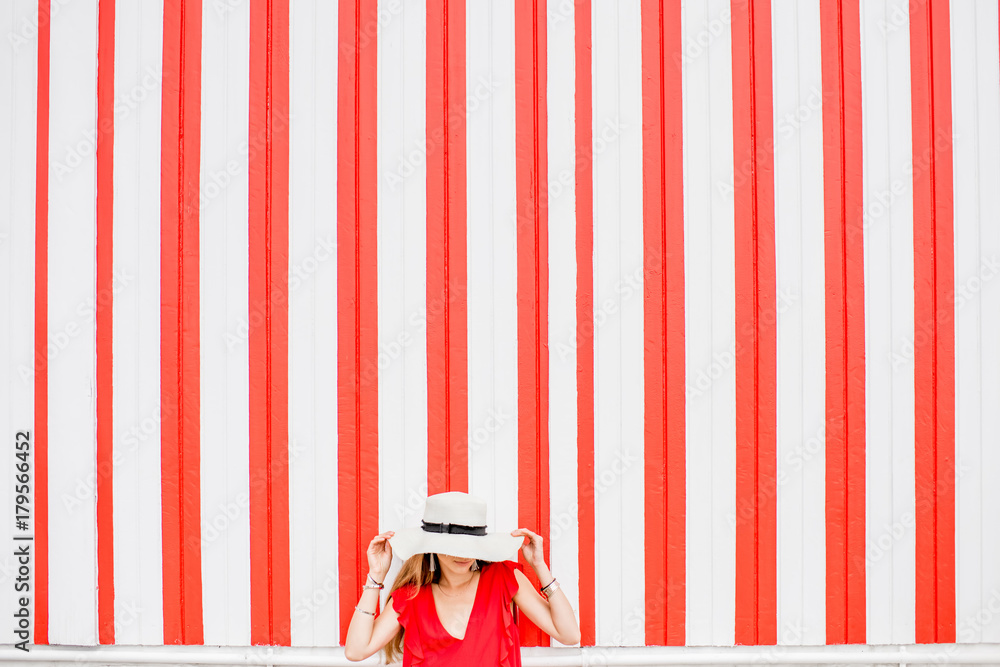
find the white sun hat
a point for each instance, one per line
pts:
(454, 524)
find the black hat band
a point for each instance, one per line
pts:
(455, 528)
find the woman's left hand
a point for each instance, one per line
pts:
(533, 548)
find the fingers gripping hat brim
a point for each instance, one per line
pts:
(491, 547)
(454, 524)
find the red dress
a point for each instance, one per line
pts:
(491, 638)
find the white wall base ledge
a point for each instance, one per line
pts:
(639, 656)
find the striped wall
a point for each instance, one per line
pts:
(703, 293)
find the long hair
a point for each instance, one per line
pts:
(416, 570)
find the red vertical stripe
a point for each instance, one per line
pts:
(180, 391)
(845, 323)
(357, 299)
(531, 177)
(447, 334)
(585, 320)
(934, 321)
(753, 143)
(663, 323)
(103, 290)
(41, 388)
(270, 616)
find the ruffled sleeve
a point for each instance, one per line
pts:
(404, 600)
(511, 640)
(509, 580)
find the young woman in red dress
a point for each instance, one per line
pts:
(454, 601)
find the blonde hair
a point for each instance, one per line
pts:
(416, 570)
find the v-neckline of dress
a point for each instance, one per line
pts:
(468, 624)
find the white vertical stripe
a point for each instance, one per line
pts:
(968, 346)
(976, 131)
(888, 244)
(988, 140)
(492, 262)
(618, 323)
(313, 316)
(801, 351)
(312, 319)
(630, 451)
(226, 317)
(72, 269)
(18, 78)
(138, 551)
(402, 266)
(710, 298)
(561, 128)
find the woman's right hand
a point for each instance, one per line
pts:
(380, 554)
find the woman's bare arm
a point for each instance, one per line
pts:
(385, 628)
(554, 617)
(367, 634)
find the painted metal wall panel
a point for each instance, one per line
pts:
(710, 307)
(703, 293)
(889, 322)
(799, 234)
(976, 106)
(71, 303)
(19, 76)
(137, 549)
(226, 318)
(312, 324)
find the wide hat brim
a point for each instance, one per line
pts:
(490, 547)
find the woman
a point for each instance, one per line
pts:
(452, 602)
